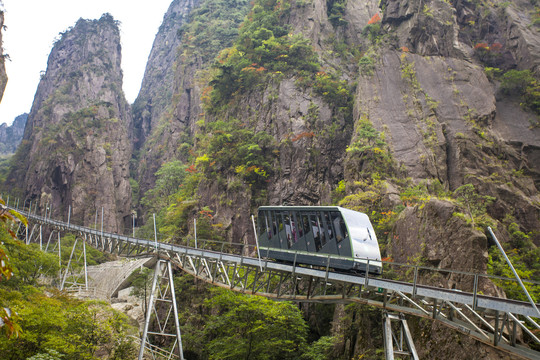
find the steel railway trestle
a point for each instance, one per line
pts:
(492, 320)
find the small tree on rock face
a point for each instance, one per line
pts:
(474, 204)
(169, 178)
(524, 84)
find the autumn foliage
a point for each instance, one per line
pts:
(306, 134)
(484, 46)
(374, 19)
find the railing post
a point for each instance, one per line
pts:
(155, 232)
(366, 279)
(415, 280)
(514, 333)
(257, 242)
(59, 253)
(475, 291)
(496, 331)
(326, 276)
(102, 224)
(85, 267)
(195, 231)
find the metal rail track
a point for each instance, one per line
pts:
(492, 320)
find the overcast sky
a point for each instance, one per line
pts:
(33, 25)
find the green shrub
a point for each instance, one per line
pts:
(335, 11)
(525, 85)
(366, 65)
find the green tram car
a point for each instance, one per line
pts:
(322, 236)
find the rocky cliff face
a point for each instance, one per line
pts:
(423, 114)
(3, 75)
(77, 145)
(191, 36)
(390, 109)
(158, 82)
(11, 136)
(416, 75)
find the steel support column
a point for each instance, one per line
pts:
(162, 296)
(394, 341)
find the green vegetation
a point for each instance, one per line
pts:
(256, 56)
(169, 178)
(221, 324)
(42, 323)
(369, 150)
(366, 65)
(335, 11)
(232, 146)
(525, 256)
(4, 169)
(524, 84)
(265, 49)
(474, 205)
(230, 155)
(73, 329)
(74, 127)
(373, 32)
(249, 327)
(210, 27)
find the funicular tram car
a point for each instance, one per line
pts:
(309, 234)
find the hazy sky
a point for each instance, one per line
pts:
(33, 25)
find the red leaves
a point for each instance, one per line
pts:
(307, 134)
(192, 169)
(254, 67)
(496, 47)
(375, 19)
(207, 213)
(11, 320)
(5, 268)
(484, 46)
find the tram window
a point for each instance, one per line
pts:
(339, 226)
(267, 222)
(294, 227)
(261, 223)
(305, 224)
(316, 232)
(329, 226)
(287, 223)
(279, 223)
(321, 227)
(298, 222)
(273, 223)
